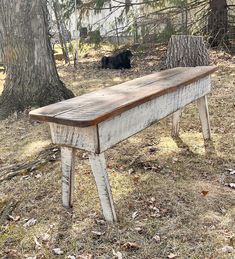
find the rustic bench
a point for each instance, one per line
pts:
(98, 120)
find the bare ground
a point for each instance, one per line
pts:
(172, 197)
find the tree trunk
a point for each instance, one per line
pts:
(32, 78)
(60, 32)
(186, 51)
(218, 22)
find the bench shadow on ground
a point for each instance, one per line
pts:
(65, 225)
(178, 210)
(208, 145)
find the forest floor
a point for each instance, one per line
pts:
(174, 198)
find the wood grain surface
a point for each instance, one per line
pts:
(95, 107)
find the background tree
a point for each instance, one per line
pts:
(198, 17)
(32, 78)
(218, 22)
(61, 28)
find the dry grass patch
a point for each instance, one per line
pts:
(173, 189)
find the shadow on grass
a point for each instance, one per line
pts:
(208, 145)
(64, 225)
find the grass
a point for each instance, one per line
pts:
(175, 187)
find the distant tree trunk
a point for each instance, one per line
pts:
(186, 51)
(60, 32)
(32, 78)
(218, 22)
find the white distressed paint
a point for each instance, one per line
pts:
(78, 137)
(67, 165)
(98, 167)
(119, 128)
(134, 120)
(204, 117)
(176, 123)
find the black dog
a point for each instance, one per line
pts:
(118, 61)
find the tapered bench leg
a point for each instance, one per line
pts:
(204, 117)
(176, 123)
(67, 164)
(98, 167)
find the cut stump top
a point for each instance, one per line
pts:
(95, 107)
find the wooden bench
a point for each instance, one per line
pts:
(98, 120)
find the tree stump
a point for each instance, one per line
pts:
(185, 51)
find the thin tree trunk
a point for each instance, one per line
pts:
(218, 22)
(61, 36)
(32, 78)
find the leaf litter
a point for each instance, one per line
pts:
(162, 182)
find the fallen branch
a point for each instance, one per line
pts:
(48, 155)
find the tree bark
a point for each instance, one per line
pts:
(186, 51)
(32, 78)
(218, 22)
(61, 36)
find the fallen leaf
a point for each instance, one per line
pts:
(136, 179)
(97, 233)
(39, 175)
(118, 255)
(135, 215)
(138, 229)
(38, 245)
(131, 246)
(57, 251)
(85, 256)
(204, 193)
(231, 171)
(151, 207)
(172, 256)
(152, 149)
(157, 238)
(14, 218)
(100, 221)
(231, 185)
(45, 237)
(226, 249)
(30, 223)
(71, 257)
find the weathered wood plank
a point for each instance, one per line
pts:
(93, 108)
(204, 117)
(98, 166)
(131, 122)
(67, 165)
(83, 138)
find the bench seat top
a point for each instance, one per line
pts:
(92, 108)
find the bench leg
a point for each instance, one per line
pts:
(98, 167)
(67, 164)
(176, 123)
(204, 117)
